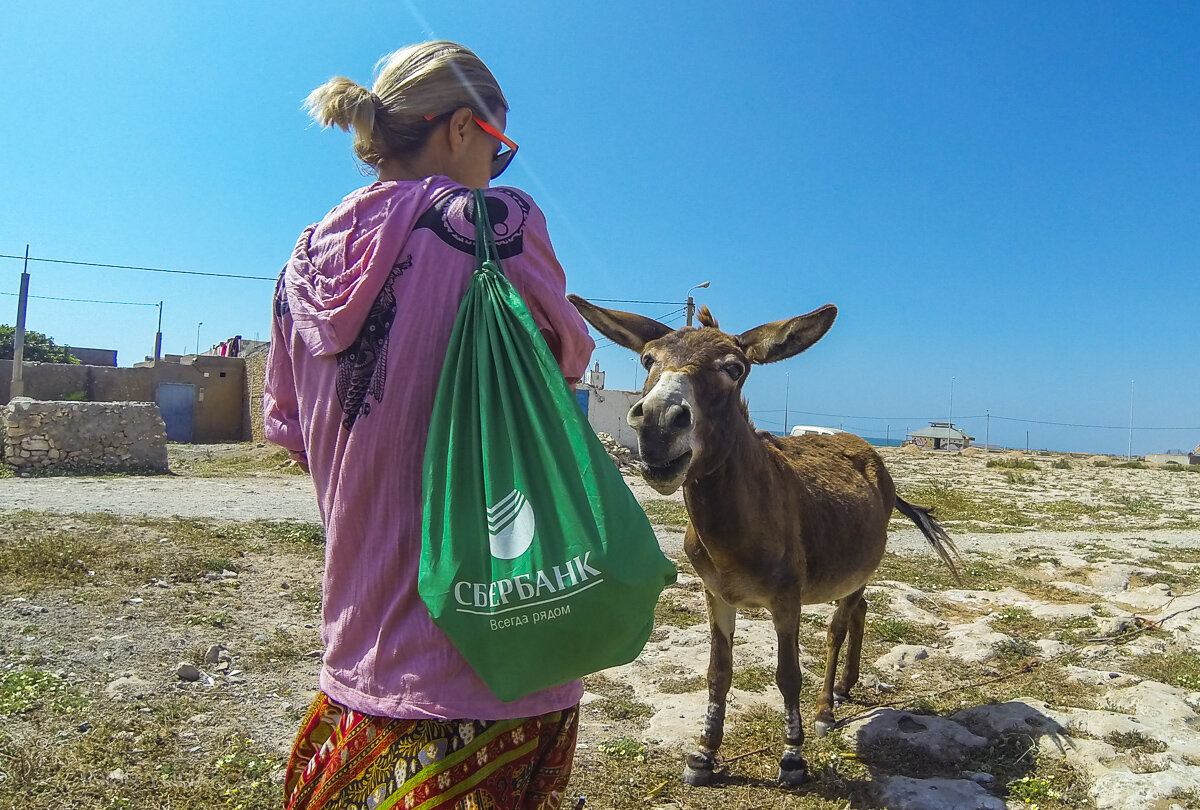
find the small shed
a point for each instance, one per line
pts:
(940, 436)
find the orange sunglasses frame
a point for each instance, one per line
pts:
(498, 135)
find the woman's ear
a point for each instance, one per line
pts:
(460, 123)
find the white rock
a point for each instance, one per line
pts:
(935, 736)
(902, 656)
(905, 793)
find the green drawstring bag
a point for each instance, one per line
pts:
(536, 560)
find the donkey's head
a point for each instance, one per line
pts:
(692, 401)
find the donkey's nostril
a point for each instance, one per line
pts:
(679, 418)
(634, 418)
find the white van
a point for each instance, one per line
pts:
(800, 430)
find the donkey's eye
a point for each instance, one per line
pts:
(735, 370)
(647, 361)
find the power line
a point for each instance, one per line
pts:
(146, 269)
(966, 418)
(85, 300)
(625, 301)
(664, 319)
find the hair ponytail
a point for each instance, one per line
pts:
(430, 78)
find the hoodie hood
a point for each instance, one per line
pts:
(340, 264)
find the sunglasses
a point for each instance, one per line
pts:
(502, 158)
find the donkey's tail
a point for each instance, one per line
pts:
(933, 532)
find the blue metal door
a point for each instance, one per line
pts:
(176, 402)
(581, 396)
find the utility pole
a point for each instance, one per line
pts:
(787, 382)
(18, 373)
(987, 433)
(158, 335)
(198, 336)
(691, 303)
(1129, 452)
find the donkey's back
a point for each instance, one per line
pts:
(845, 494)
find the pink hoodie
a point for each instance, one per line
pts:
(363, 315)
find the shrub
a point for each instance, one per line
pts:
(1013, 463)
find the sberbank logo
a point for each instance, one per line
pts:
(510, 526)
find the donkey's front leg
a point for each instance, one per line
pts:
(722, 617)
(793, 770)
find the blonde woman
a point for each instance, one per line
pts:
(362, 317)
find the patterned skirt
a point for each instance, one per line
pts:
(346, 760)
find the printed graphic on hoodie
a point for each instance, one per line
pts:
(362, 366)
(452, 218)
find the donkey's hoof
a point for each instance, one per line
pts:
(822, 727)
(793, 770)
(698, 770)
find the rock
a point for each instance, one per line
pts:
(127, 688)
(1051, 649)
(1121, 790)
(117, 776)
(975, 641)
(227, 574)
(930, 735)
(1058, 613)
(902, 656)
(187, 672)
(1113, 625)
(261, 637)
(1149, 597)
(83, 727)
(1016, 716)
(213, 654)
(905, 793)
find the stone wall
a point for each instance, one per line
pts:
(218, 411)
(256, 364)
(117, 436)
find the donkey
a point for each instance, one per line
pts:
(774, 522)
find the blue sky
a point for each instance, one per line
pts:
(1003, 194)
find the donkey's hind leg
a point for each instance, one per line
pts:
(722, 618)
(857, 621)
(843, 620)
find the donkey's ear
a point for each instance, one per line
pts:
(626, 329)
(783, 339)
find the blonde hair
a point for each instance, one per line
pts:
(430, 78)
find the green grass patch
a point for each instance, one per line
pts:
(51, 763)
(754, 678)
(623, 749)
(1060, 464)
(1138, 506)
(218, 619)
(1135, 741)
(1015, 477)
(280, 648)
(1017, 620)
(1180, 669)
(666, 513)
(246, 460)
(670, 611)
(683, 685)
(1012, 463)
(26, 688)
